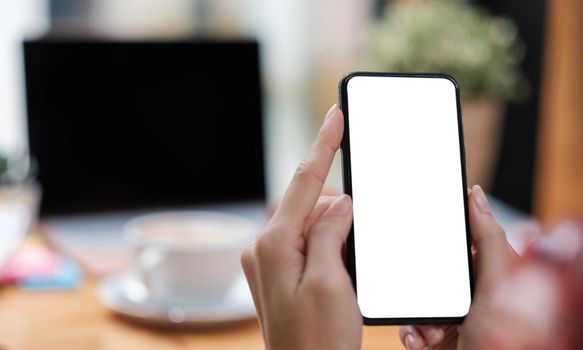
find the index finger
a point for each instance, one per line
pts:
(305, 187)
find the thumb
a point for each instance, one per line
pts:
(493, 252)
(327, 236)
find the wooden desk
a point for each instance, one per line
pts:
(75, 320)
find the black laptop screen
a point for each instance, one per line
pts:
(123, 125)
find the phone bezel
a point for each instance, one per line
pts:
(347, 184)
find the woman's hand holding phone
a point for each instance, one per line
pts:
(301, 288)
(304, 296)
(302, 291)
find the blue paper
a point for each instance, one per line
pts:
(67, 276)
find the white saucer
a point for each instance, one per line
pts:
(125, 294)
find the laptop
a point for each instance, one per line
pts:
(122, 128)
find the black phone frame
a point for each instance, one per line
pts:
(347, 185)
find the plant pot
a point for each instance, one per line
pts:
(482, 120)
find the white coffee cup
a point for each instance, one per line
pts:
(188, 256)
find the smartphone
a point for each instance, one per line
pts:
(403, 163)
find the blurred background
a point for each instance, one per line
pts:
(306, 47)
(259, 76)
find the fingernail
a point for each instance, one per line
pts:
(434, 335)
(340, 206)
(410, 341)
(480, 199)
(331, 111)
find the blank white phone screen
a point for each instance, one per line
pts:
(410, 240)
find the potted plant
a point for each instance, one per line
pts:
(480, 51)
(17, 181)
(19, 199)
(14, 170)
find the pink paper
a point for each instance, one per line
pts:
(30, 261)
